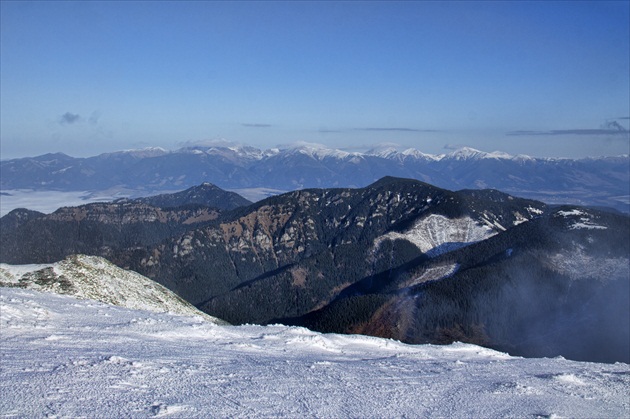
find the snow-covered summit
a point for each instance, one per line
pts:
(395, 152)
(385, 150)
(418, 155)
(469, 153)
(315, 151)
(223, 148)
(95, 278)
(141, 152)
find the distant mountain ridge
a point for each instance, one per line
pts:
(206, 194)
(111, 225)
(591, 181)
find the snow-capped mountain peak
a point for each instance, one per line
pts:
(595, 181)
(141, 152)
(419, 155)
(384, 150)
(466, 153)
(315, 151)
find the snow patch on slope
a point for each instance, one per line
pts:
(580, 219)
(577, 264)
(433, 273)
(437, 234)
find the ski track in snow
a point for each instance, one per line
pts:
(64, 357)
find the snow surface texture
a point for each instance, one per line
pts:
(96, 278)
(63, 357)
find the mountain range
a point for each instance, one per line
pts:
(591, 181)
(399, 258)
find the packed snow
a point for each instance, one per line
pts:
(571, 213)
(64, 357)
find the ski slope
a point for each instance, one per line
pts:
(64, 357)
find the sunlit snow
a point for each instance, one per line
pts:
(63, 357)
(92, 277)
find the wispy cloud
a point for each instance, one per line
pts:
(93, 120)
(69, 118)
(400, 129)
(596, 131)
(610, 127)
(376, 129)
(216, 142)
(257, 125)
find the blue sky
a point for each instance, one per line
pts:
(539, 78)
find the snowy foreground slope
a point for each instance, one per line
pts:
(64, 357)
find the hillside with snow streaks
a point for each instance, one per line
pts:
(436, 234)
(89, 359)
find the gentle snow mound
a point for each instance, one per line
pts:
(95, 278)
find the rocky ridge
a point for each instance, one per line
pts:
(94, 278)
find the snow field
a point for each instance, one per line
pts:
(63, 357)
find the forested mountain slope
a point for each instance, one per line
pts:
(399, 258)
